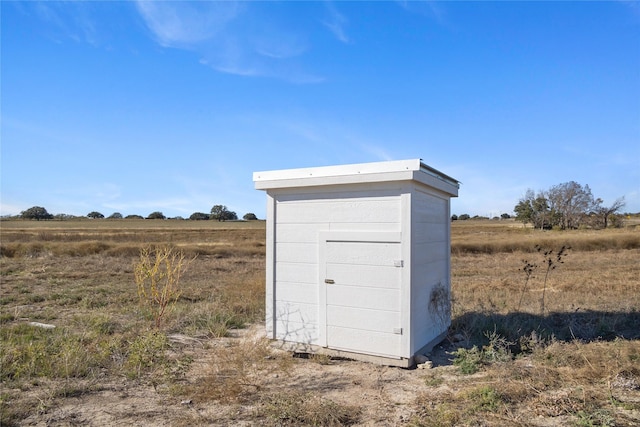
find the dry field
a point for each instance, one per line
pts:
(536, 339)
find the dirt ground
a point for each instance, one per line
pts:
(383, 394)
(594, 381)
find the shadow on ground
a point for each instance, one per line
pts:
(472, 329)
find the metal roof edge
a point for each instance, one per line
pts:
(437, 174)
(340, 174)
(338, 170)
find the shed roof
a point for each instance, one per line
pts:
(399, 170)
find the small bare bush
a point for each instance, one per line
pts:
(298, 408)
(440, 304)
(157, 275)
(238, 369)
(550, 261)
(433, 414)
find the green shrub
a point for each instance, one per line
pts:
(485, 399)
(598, 418)
(442, 415)
(146, 353)
(29, 352)
(469, 361)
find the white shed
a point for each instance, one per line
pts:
(358, 259)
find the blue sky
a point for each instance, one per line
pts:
(135, 107)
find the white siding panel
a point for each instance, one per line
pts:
(432, 251)
(372, 298)
(306, 333)
(424, 267)
(360, 192)
(299, 233)
(357, 253)
(296, 312)
(424, 333)
(297, 292)
(297, 253)
(364, 342)
(348, 210)
(366, 320)
(308, 233)
(373, 276)
(428, 272)
(429, 209)
(296, 272)
(365, 226)
(429, 233)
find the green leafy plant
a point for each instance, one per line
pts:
(157, 275)
(485, 398)
(29, 352)
(146, 352)
(469, 361)
(598, 418)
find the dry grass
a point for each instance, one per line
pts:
(80, 279)
(492, 237)
(126, 237)
(592, 295)
(297, 408)
(568, 383)
(576, 363)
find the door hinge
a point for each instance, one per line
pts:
(397, 331)
(398, 263)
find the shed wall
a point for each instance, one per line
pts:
(300, 217)
(430, 255)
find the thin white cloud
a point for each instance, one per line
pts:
(379, 153)
(428, 8)
(69, 21)
(230, 37)
(277, 41)
(185, 24)
(336, 23)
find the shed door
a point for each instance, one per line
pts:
(362, 284)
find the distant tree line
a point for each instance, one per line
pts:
(218, 212)
(563, 206)
(465, 217)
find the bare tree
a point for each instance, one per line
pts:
(571, 201)
(606, 212)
